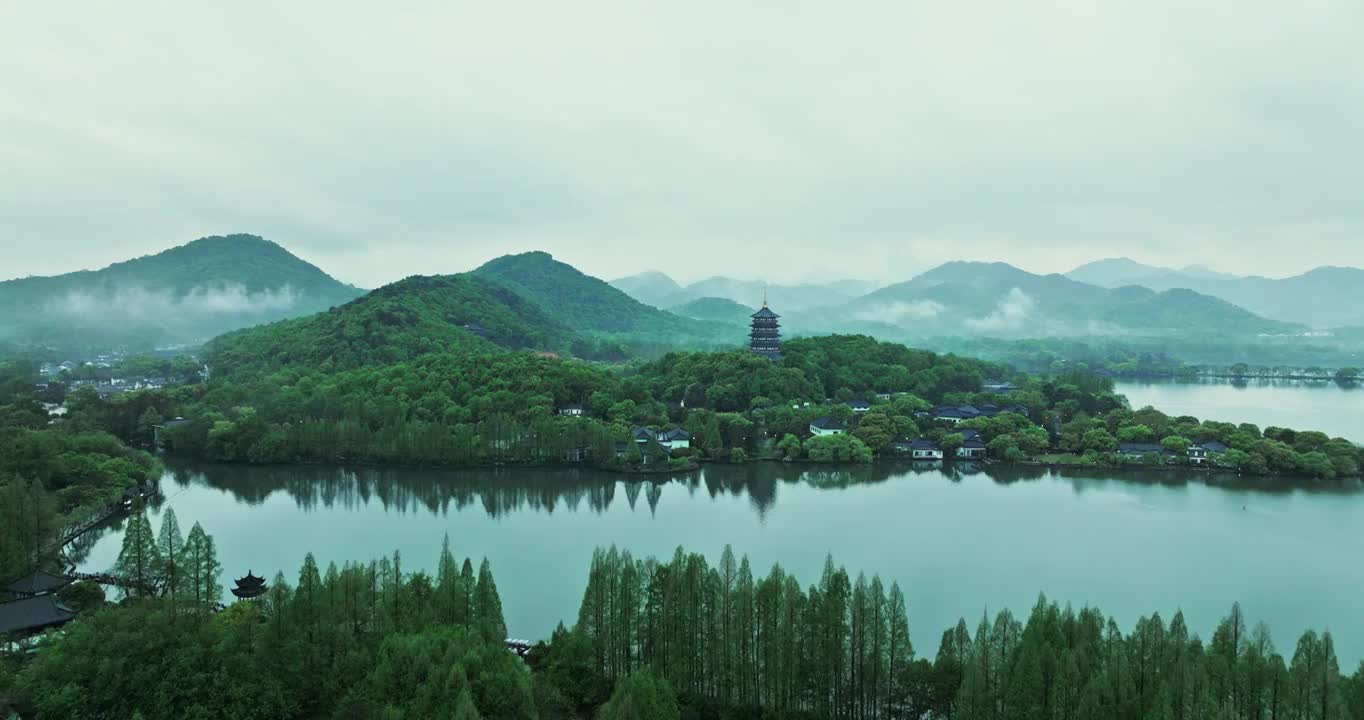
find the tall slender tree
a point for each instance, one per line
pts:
(138, 563)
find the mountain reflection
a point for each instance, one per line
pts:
(500, 491)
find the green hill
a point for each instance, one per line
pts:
(588, 304)
(412, 317)
(186, 294)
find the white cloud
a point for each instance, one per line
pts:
(1015, 311)
(136, 303)
(901, 313)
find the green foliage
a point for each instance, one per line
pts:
(837, 448)
(360, 641)
(82, 470)
(139, 563)
(641, 696)
(587, 304)
(396, 323)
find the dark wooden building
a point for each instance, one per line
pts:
(249, 587)
(765, 338)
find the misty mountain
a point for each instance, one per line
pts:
(1326, 297)
(997, 299)
(650, 287)
(185, 294)
(715, 308)
(588, 304)
(1116, 272)
(659, 290)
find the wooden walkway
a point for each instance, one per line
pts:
(115, 581)
(71, 532)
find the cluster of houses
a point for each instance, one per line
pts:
(971, 448)
(50, 373)
(1198, 453)
(958, 413)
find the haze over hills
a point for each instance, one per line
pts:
(1116, 272)
(1326, 297)
(586, 303)
(997, 299)
(659, 290)
(650, 287)
(715, 308)
(185, 294)
(532, 301)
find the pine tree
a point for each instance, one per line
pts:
(450, 594)
(170, 545)
(211, 570)
(464, 707)
(138, 561)
(468, 583)
(488, 606)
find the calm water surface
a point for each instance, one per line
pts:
(958, 543)
(1335, 410)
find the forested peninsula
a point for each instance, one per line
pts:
(481, 405)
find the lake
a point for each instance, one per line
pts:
(1335, 410)
(960, 543)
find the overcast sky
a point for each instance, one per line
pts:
(786, 139)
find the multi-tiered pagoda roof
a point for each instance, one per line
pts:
(250, 586)
(765, 337)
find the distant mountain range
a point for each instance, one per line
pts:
(186, 294)
(1326, 297)
(1116, 272)
(659, 290)
(999, 300)
(532, 301)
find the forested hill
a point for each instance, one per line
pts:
(186, 294)
(588, 304)
(416, 316)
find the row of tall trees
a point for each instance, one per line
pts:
(841, 649)
(363, 640)
(656, 640)
(183, 569)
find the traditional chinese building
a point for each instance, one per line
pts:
(249, 587)
(765, 338)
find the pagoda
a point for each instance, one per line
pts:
(765, 339)
(249, 587)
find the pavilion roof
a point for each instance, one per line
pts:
(37, 583)
(32, 614)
